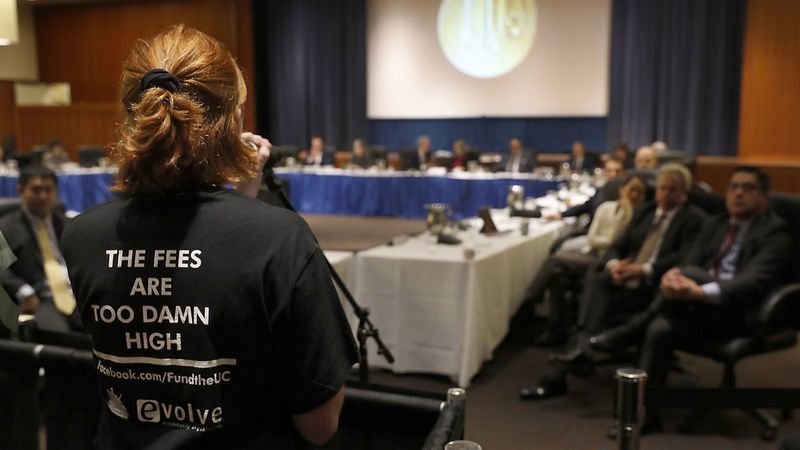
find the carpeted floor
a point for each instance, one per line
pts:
(498, 420)
(359, 233)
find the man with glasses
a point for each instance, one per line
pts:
(738, 256)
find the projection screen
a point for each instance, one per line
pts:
(487, 58)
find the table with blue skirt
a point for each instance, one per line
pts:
(401, 194)
(78, 190)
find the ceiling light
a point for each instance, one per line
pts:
(9, 29)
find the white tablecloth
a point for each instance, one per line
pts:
(440, 312)
(343, 263)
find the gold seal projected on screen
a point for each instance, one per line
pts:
(486, 38)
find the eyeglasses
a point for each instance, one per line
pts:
(746, 187)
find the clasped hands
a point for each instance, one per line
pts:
(624, 270)
(677, 286)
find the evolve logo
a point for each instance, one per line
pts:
(156, 412)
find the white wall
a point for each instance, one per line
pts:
(18, 62)
(565, 73)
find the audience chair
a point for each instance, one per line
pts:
(32, 158)
(376, 152)
(675, 156)
(709, 202)
(37, 153)
(9, 145)
(8, 204)
(777, 318)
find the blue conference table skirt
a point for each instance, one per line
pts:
(78, 191)
(402, 196)
(357, 195)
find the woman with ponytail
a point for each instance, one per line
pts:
(214, 320)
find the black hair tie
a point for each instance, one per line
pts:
(160, 78)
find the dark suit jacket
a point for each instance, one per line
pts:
(676, 242)
(364, 161)
(410, 159)
(29, 267)
(527, 162)
(589, 163)
(763, 259)
(328, 159)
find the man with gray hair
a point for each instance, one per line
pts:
(626, 277)
(420, 157)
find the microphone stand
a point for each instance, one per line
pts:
(366, 329)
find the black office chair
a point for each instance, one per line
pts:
(90, 155)
(709, 202)
(8, 204)
(376, 152)
(37, 154)
(777, 319)
(280, 153)
(675, 156)
(32, 158)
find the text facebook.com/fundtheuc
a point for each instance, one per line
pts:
(219, 377)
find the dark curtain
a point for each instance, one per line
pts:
(675, 73)
(311, 70)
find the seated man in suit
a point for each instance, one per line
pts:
(517, 160)
(736, 259)
(38, 279)
(39, 282)
(626, 276)
(317, 154)
(738, 207)
(359, 158)
(580, 161)
(420, 157)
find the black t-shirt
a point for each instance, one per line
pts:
(213, 318)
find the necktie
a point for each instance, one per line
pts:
(513, 165)
(727, 244)
(59, 288)
(650, 241)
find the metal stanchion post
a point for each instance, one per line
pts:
(455, 395)
(629, 406)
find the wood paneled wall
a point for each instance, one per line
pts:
(770, 81)
(85, 124)
(6, 108)
(86, 44)
(716, 170)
